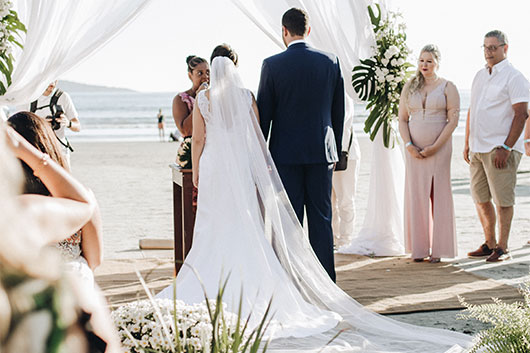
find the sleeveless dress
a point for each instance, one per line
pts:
(75, 263)
(224, 244)
(429, 209)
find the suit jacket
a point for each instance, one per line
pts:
(301, 94)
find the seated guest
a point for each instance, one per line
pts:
(31, 278)
(81, 250)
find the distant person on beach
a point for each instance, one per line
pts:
(58, 109)
(199, 75)
(494, 143)
(30, 223)
(82, 250)
(160, 118)
(428, 114)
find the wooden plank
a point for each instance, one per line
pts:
(151, 244)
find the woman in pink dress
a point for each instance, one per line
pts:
(199, 75)
(428, 115)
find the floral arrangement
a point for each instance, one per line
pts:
(510, 324)
(138, 319)
(184, 153)
(171, 326)
(39, 313)
(379, 80)
(11, 30)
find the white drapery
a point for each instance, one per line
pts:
(343, 27)
(61, 34)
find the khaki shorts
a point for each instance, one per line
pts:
(488, 181)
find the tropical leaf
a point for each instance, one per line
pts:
(12, 36)
(378, 80)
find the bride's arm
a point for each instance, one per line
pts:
(197, 142)
(71, 206)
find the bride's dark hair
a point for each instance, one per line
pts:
(224, 50)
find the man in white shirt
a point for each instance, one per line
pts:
(494, 142)
(44, 108)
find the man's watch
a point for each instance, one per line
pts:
(69, 124)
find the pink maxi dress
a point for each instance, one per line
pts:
(429, 210)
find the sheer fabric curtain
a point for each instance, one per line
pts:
(61, 34)
(343, 27)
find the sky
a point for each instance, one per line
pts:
(149, 55)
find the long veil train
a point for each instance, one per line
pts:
(245, 156)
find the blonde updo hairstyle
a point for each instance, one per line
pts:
(418, 81)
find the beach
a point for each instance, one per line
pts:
(132, 182)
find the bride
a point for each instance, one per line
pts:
(246, 229)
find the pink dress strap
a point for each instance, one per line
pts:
(189, 100)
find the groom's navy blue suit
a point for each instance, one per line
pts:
(301, 93)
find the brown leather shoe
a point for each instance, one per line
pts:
(483, 251)
(498, 255)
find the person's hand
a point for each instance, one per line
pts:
(501, 156)
(62, 120)
(527, 148)
(466, 153)
(202, 87)
(414, 151)
(428, 151)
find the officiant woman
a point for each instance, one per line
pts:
(428, 115)
(199, 75)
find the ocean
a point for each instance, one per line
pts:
(132, 116)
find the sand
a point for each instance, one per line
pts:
(132, 182)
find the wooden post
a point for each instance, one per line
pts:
(183, 213)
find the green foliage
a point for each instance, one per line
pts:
(510, 325)
(11, 30)
(379, 80)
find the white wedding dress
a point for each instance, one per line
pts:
(246, 229)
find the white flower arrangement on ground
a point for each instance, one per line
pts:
(11, 30)
(380, 79)
(171, 326)
(140, 330)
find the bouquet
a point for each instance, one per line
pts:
(380, 79)
(10, 34)
(184, 153)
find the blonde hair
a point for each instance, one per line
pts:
(418, 81)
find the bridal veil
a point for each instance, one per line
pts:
(244, 148)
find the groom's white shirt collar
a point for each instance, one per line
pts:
(296, 42)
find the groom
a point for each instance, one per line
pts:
(301, 93)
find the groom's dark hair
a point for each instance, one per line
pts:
(296, 21)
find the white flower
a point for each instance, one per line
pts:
(384, 61)
(400, 61)
(389, 78)
(394, 62)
